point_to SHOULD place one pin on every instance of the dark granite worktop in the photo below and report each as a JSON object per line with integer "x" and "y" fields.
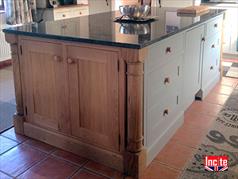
{"x": 101, "y": 28}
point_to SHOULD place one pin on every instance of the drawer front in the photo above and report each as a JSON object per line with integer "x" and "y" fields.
{"x": 214, "y": 26}
{"x": 160, "y": 53}
{"x": 58, "y": 15}
{"x": 163, "y": 97}
{"x": 162, "y": 82}
{"x": 211, "y": 59}
{"x": 80, "y": 12}
{"x": 161, "y": 117}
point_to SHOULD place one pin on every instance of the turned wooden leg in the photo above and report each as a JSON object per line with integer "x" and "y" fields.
{"x": 19, "y": 115}
{"x": 135, "y": 155}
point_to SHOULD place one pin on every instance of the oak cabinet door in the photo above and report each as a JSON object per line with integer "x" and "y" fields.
{"x": 93, "y": 90}
{"x": 44, "y": 78}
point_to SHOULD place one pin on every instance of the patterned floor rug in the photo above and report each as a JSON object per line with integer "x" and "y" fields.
{"x": 6, "y": 115}
{"x": 221, "y": 139}
{"x": 230, "y": 69}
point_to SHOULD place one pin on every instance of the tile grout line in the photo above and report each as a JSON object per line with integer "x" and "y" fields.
{"x": 7, "y": 174}
{"x": 61, "y": 158}
{"x": 36, "y": 148}
{"x": 35, "y": 164}
{"x": 168, "y": 166}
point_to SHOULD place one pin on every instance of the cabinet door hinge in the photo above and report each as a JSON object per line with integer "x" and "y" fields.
{"x": 119, "y": 140}
{"x": 20, "y": 49}
{"x": 118, "y": 65}
{"x": 26, "y": 110}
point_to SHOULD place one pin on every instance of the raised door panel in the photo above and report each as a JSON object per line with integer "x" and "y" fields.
{"x": 93, "y": 78}
{"x": 192, "y": 64}
{"x": 44, "y": 81}
{"x": 162, "y": 98}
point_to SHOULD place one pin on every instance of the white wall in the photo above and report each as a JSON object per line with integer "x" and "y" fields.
{"x": 5, "y": 52}
{"x": 176, "y": 3}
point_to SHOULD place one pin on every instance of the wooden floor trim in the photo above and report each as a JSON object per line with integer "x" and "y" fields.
{"x": 72, "y": 145}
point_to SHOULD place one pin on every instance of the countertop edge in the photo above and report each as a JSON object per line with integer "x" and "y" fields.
{"x": 102, "y": 42}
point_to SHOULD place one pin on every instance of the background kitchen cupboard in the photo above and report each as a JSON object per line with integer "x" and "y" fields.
{"x": 99, "y": 6}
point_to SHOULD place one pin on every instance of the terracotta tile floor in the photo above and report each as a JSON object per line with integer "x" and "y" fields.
{"x": 22, "y": 157}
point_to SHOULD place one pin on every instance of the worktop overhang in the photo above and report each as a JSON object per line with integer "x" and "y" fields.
{"x": 100, "y": 29}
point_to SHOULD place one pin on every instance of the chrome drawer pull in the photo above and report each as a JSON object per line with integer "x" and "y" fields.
{"x": 166, "y": 80}
{"x": 168, "y": 50}
{"x": 166, "y": 112}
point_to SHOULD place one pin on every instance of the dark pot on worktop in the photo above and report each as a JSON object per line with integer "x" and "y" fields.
{"x": 66, "y": 2}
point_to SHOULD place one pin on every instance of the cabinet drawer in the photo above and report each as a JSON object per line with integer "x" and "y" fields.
{"x": 58, "y": 15}
{"x": 162, "y": 97}
{"x": 214, "y": 26}
{"x": 211, "y": 59}
{"x": 80, "y": 12}
{"x": 161, "y": 52}
{"x": 163, "y": 81}
{"x": 162, "y": 116}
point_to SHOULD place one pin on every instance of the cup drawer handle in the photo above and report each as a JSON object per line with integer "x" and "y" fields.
{"x": 166, "y": 112}
{"x": 168, "y": 50}
{"x": 166, "y": 80}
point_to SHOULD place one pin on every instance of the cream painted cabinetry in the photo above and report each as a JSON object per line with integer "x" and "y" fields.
{"x": 52, "y": 14}
{"x": 211, "y": 55}
{"x": 192, "y": 64}
{"x": 163, "y": 92}
{"x": 202, "y": 60}
{"x": 177, "y": 69}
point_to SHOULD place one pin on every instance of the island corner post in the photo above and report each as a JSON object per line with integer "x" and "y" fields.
{"x": 134, "y": 152}
{"x": 18, "y": 118}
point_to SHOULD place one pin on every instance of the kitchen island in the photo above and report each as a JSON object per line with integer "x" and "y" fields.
{"x": 111, "y": 92}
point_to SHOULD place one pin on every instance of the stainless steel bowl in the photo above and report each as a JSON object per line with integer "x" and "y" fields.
{"x": 134, "y": 29}
{"x": 135, "y": 11}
